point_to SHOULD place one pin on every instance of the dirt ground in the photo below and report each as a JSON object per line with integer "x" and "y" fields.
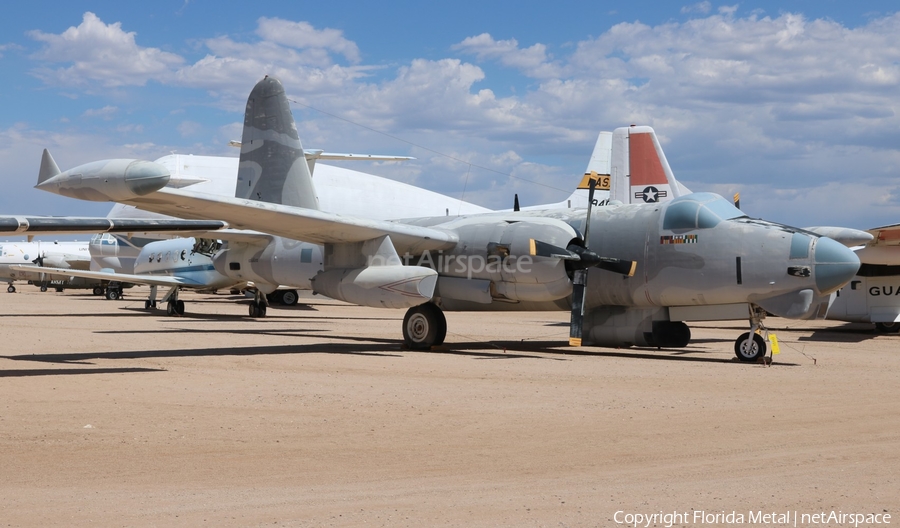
{"x": 316, "y": 416}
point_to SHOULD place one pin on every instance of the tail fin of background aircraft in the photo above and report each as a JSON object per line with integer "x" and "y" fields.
{"x": 49, "y": 168}
{"x": 598, "y": 167}
{"x": 273, "y": 167}
{"x": 639, "y": 170}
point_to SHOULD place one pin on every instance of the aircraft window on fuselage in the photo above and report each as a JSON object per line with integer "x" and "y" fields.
{"x": 306, "y": 255}
{"x": 681, "y": 215}
{"x": 799, "y": 246}
{"x": 699, "y": 210}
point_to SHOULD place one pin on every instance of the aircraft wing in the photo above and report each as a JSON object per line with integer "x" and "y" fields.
{"x": 150, "y": 280}
{"x": 37, "y": 225}
{"x": 292, "y": 222}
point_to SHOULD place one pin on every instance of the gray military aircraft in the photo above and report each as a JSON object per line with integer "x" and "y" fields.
{"x": 619, "y": 269}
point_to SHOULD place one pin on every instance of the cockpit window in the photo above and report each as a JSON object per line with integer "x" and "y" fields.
{"x": 699, "y": 211}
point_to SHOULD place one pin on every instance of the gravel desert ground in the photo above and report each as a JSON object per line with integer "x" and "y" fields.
{"x": 316, "y": 416}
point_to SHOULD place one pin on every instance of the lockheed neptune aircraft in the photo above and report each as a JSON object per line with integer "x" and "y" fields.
{"x": 618, "y": 269}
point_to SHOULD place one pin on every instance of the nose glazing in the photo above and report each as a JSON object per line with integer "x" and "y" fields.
{"x": 834, "y": 265}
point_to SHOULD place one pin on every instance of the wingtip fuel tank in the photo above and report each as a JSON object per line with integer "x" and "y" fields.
{"x": 103, "y": 181}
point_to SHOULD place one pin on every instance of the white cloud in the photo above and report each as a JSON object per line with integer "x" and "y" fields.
{"x": 104, "y": 113}
{"x": 532, "y": 61}
{"x": 700, "y": 7}
{"x": 102, "y": 53}
{"x": 302, "y": 35}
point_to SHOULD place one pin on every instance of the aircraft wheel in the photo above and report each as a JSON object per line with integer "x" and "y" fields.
{"x": 170, "y": 308}
{"x": 274, "y": 297}
{"x": 254, "y": 309}
{"x": 887, "y": 328}
{"x": 262, "y": 310}
{"x": 112, "y": 294}
{"x": 148, "y": 304}
{"x": 59, "y": 290}
{"x": 424, "y": 326}
{"x": 10, "y": 289}
{"x": 179, "y": 307}
{"x": 747, "y": 349}
{"x": 289, "y": 297}
{"x": 98, "y": 291}
{"x": 43, "y": 288}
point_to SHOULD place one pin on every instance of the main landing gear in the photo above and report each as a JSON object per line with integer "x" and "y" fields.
{"x": 424, "y": 326}
{"x": 887, "y": 328}
{"x": 285, "y": 297}
{"x": 259, "y": 305}
{"x": 751, "y": 346}
{"x": 114, "y": 291}
{"x": 175, "y": 306}
{"x": 10, "y": 288}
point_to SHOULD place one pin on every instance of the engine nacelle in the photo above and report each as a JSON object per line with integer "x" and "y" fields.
{"x": 378, "y": 286}
{"x": 499, "y": 251}
{"x": 108, "y": 180}
{"x": 281, "y": 262}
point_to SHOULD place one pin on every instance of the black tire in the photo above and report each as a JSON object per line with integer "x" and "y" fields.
{"x": 59, "y": 290}
{"x": 750, "y": 350}
{"x": 170, "y": 308}
{"x": 424, "y": 326}
{"x": 112, "y": 294}
{"x": 179, "y": 307}
{"x": 98, "y": 291}
{"x": 887, "y": 328}
{"x": 10, "y": 289}
{"x": 43, "y": 288}
{"x": 254, "y": 310}
{"x": 289, "y": 297}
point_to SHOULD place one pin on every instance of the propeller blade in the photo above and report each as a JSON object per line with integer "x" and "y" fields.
{"x": 737, "y": 200}
{"x": 543, "y": 249}
{"x": 620, "y": 266}
{"x": 516, "y": 203}
{"x": 588, "y": 259}
{"x": 587, "y": 219}
{"x": 577, "y": 317}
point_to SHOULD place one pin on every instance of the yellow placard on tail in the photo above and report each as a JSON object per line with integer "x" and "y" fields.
{"x": 774, "y": 340}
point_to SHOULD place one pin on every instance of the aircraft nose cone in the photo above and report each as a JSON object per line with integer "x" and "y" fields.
{"x": 835, "y": 265}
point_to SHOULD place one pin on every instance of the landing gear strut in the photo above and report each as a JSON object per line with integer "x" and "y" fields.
{"x": 751, "y": 346}
{"x": 259, "y": 305}
{"x": 175, "y": 305}
{"x": 424, "y": 327}
{"x": 151, "y": 301}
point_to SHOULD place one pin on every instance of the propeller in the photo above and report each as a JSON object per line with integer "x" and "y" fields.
{"x": 516, "y": 203}
{"x": 578, "y": 260}
{"x": 737, "y": 200}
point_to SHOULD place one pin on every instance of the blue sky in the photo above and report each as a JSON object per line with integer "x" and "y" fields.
{"x": 793, "y": 103}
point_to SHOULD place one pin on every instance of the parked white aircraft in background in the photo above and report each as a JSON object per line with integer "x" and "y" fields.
{"x": 873, "y": 296}
{"x": 52, "y": 254}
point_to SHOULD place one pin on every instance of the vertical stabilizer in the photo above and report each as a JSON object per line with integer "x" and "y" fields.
{"x": 597, "y": 168}
{"x": 640, "y": 172}
{"x": 273, "y": 167}
{"x": 49, "y": 168}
